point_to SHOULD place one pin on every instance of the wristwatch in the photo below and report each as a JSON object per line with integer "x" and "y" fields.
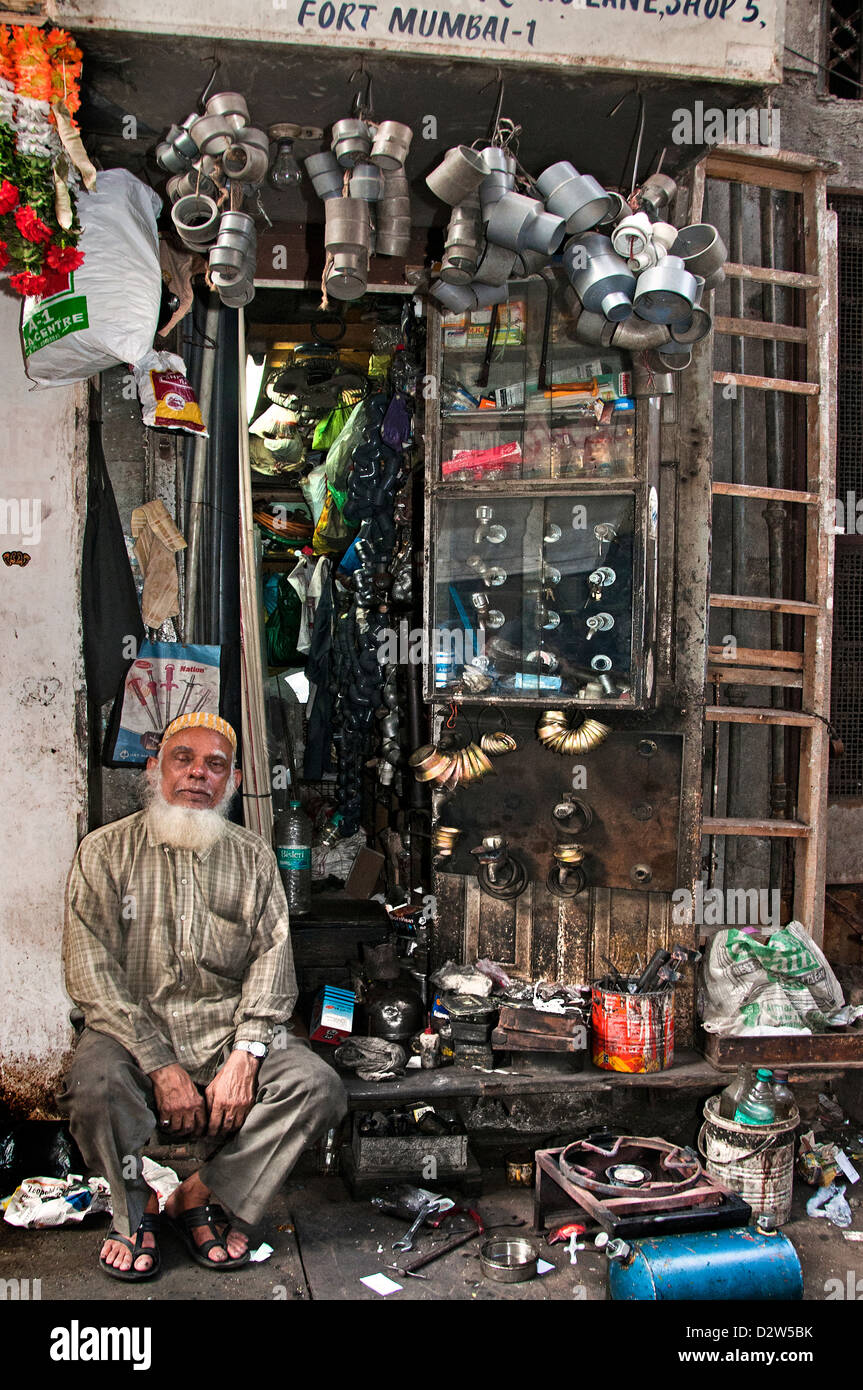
{"x": 257, "y": 1049}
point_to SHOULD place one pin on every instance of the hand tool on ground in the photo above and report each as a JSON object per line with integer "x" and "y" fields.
{"x": 440, "y": 1250}
{"x": 407, "y": 1240}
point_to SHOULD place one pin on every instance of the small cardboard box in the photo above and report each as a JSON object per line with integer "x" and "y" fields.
{"x": 332, "y": 1016}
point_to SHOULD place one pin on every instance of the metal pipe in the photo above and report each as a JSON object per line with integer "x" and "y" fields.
{"x": 199, "y": 464}
{"x": 636, "y": 333}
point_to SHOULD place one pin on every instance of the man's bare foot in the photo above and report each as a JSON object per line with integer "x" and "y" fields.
{"x": 119, "y": 1257}
{"x": 193, "y": 1193}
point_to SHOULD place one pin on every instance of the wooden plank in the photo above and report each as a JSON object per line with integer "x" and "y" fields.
{"x": 776, "y": 829}
{"x": 523, "y": 930}
{"x": 732, "y": 171}
{"x": 544, "y": 934}
{"x": 821, "y": 247}
{"x": 753, "y": 675}
{"x": 510, "y": 1040}
{"x": 519, "y": 1018}
{"x": 628, "y": 924}
{"x": 600, "y": 940}
{"x": 757, "y": 656}
{"x": 795, "y": 1049}
{"x": 764, "y": 605}
{"x": 759, "y": 328}
{"x": 767, "y": 157}
{"x": 574, "y": 940}
{"x": 447, "y": 942}
{"x": 766, "y": 383}
{"x": 770, "y": 494}
{"x": 472, "y": 909}
{"x": 754, "y": 714}
{"x": 496, "y": 938}
{"x": 790, "y": 279}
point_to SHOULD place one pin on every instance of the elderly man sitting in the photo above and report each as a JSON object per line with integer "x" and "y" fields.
{"x": 178, "y": 951}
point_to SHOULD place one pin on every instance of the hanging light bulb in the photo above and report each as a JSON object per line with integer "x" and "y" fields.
{"x": 285, "y": 172}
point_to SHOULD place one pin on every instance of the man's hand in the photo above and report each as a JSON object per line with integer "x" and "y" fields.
{"x": 231, "y": 1093}
{"x": 178, "y": 1101}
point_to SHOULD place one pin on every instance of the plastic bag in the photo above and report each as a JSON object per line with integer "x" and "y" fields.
{"x": 283, "y": 626}
{"x": 110, "y": 312}
{"x": 782, "y": 985}
{"x": 168, "y": 402}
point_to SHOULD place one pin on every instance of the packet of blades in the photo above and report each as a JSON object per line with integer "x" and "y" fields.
{"x": 168, "y": 402}
{"x": 467, "y": 465}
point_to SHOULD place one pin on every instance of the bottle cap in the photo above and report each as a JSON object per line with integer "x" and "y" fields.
{"x": 764, "y": 1074}
{"x": 295, "y": 805}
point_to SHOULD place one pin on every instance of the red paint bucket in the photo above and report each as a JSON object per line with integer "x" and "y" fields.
{"x": 632, "y": 1032}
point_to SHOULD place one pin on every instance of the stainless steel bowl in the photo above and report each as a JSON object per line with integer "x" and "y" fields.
{"x": 509, "y": 1260}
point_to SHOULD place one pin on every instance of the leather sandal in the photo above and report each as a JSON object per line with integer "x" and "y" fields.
{"x": 212, "y": 1216}
{"x": 149, "y": 1223}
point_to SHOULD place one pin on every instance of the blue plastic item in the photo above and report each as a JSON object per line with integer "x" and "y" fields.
{"x": 709, "y": 1266}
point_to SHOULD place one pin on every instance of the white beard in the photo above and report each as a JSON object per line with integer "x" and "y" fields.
{"x": 184, "y": 827}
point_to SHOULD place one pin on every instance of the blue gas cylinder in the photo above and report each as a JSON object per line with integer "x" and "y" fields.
{"x": 710, "y": 1265}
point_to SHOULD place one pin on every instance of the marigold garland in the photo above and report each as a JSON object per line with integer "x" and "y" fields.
{"x": 36, "y": 66}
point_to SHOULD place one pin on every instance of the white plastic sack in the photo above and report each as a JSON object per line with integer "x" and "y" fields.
{"x": 110, "y": 312}
{"x": 782, "y": 985}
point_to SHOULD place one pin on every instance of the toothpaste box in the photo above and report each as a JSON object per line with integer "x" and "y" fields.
{"x": 332, "y": 1016}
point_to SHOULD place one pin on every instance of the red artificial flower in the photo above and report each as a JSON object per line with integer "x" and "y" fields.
{"x": 8, "y": 196}
{"x": 30, "y": 225}
{"x": 26, "y": 283}
{"x": 63, "y": 258}
{"x": 56, "y": 282}
{"x": 4, "y": 255}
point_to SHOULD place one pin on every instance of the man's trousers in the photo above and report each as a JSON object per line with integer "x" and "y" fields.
{"x": 112, "y": 1113}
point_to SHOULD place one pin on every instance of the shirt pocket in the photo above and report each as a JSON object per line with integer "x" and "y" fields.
{"x": 225, "y": 947}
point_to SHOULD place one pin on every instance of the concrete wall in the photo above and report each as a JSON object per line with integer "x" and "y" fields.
{"x": 42, "y": 714}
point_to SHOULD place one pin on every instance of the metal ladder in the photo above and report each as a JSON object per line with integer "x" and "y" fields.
{"x": 809, "y": 670}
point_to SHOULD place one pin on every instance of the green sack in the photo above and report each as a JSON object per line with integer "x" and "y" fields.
{"x": 328, "y": 430}
{"x": 283, "y": 627}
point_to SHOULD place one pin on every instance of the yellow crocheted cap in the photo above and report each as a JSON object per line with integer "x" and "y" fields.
{"x": 202, "y": 720}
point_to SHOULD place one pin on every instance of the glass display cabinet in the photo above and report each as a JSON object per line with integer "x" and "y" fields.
{"x": 542, "y": 508}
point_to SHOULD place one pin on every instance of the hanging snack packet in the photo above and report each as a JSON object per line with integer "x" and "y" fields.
{"x": 168, "y": 402}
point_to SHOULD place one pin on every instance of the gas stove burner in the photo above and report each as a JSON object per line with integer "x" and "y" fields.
{"x": 644, "y": 1167}
{"x": 628, "y": 1175}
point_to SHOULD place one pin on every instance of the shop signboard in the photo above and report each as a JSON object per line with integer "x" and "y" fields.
{"x": 731, "y": 40}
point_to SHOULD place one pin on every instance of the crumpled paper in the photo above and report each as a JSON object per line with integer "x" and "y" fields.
{"x": 39, "y": 1203}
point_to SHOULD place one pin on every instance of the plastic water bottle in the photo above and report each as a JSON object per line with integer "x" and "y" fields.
{"x": 294, "y": 857}
{"x": 783, "y": 1096}
{"x": 757, "y": 1106}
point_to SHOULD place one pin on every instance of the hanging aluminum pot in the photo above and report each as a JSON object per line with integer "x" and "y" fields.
{"x": 486, "y": 295}
{"x": 326, "y": 174}
{"x": 231, "y": 107}
{"x": 618, "y": 208}
{"x": 347, "y": 277}
{"x": 601, "y": 279}
{"x": 456, "y": 298}
{"x": 496, "y": 265}
{"x": 578, "y": 198}
{"x": 347, "y": 225}
{"x": 183, "y": 140}
{"x": 170, "y": 159}
{"x": 238, "y": 295}
{"x": 390, "y": 146}
{"x": 521, "y": 223}
{"x": 529, "y": 262}
{"x": 391, "y": 243}
{"x": 196, "y": 218}
{"x": 703, "y": 252}
{"x": 458, "y": 175}
{"x": 656, "y": 195}
{"x": 366, "y": 182}
{"x": 667, "y": 293}
{"x": 226, "y": 263}
{"x": 697, "y": 328}
{"x": 212, "y": 135}
{"x": 351, "y": 141}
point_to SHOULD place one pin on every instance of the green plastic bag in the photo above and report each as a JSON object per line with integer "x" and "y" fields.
{"x": 283, "y": 627}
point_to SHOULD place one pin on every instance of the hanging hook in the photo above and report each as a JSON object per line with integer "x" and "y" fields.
{"x": 362, "y": 104}
{"x": 217, "y": 63}
{"x": 495, "y": 120}
{"x": 642, "y": 110}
